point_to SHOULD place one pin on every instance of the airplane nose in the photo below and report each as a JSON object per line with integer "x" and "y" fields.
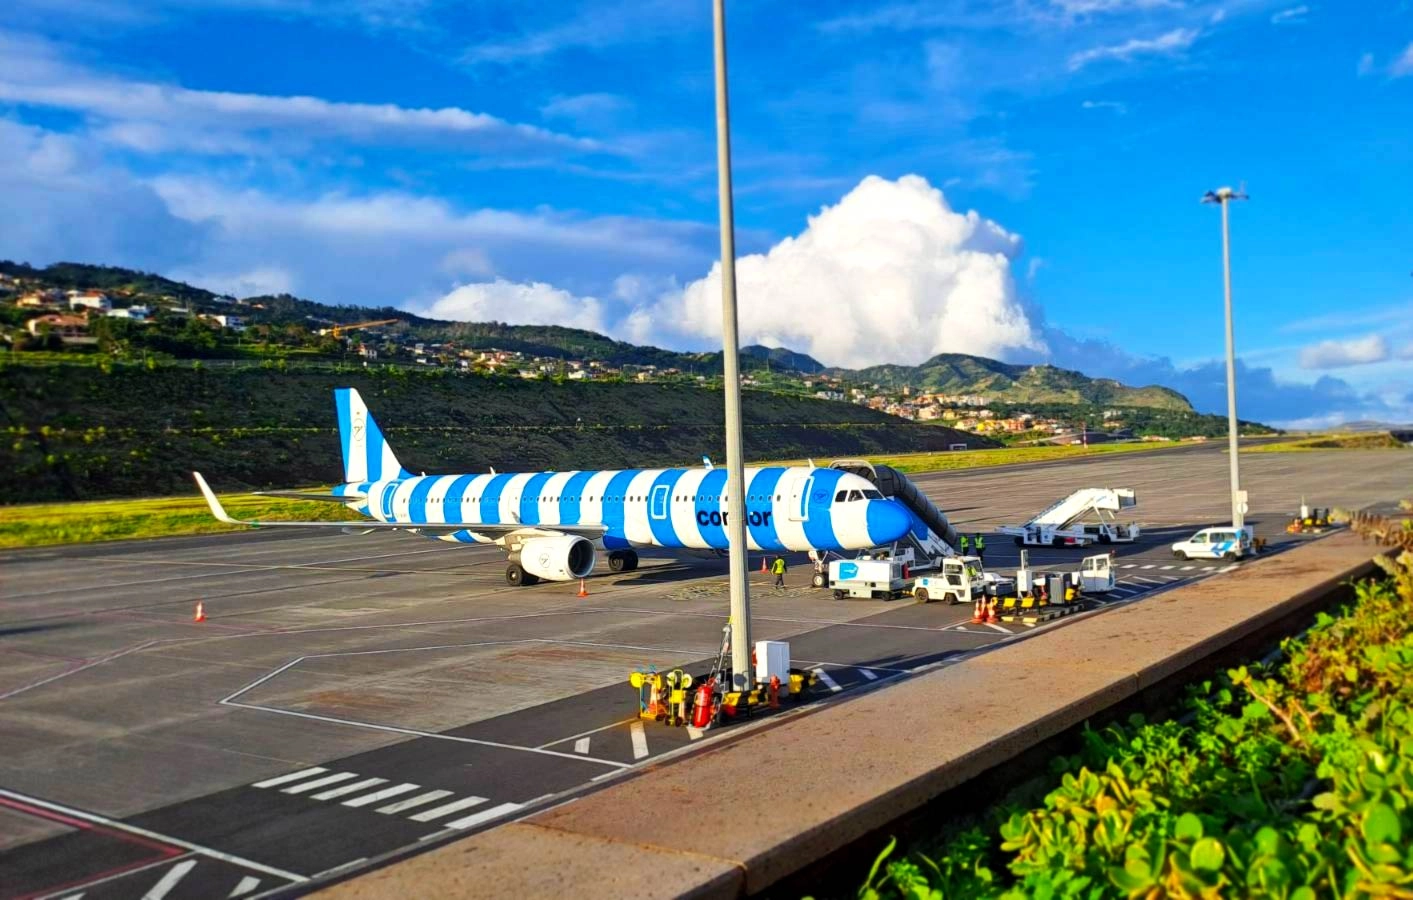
{"x": 888, "y": 521}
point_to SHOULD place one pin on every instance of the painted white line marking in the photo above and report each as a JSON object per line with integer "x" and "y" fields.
{"x": 999, "y": 628}
{"x": 447, "y": 809}
{"x": 589, "y": 733}
{"x": 413, "y": 802}
{"x": 581, "y": 745}
{"x": 174, "y": 874}
{"x": 495, "y": 812}
{"x": 1230, "y": 567}
{"x": 346, "y": 789}
{"x": 1188, "y": 568}
{"x": 369, "y": 799}
{"x": 78, "y": 896}
{"x": 293, "y": 776}
{"x": 828, "y": 682}
{"x": 143, "y": 832}
{"x": 319, "y": 782}
{"x": 341, "y": 866}
{"x": 1166, "y": 568}
{"x": 694, "y": 732}
{"x": 1208, "y": 568}
{"x": 640, "y": 740}
{"x": 961, "y": 628}
{"x": 869, "y": 675}
{"x": 1150, "y": 566}
{"x": 247, "y": 884}
{"x": 1128, "y": 565}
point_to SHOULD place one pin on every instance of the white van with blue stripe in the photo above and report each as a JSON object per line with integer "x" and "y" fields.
{"x": 1227, "y": 543}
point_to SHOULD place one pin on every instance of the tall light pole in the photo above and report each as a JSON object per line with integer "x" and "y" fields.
{"x": 1223, "y": 197}
{"x": 741, "y": 675}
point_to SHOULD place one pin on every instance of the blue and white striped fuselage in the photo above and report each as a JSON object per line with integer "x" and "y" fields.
{"x": 787, "y": 508}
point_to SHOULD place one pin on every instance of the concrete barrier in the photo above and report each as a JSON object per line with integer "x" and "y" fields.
{"x": 738, "y": 817}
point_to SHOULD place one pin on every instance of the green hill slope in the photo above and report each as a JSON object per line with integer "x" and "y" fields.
{"x": 958, "y": 373}
{"x": 80, "y": 432}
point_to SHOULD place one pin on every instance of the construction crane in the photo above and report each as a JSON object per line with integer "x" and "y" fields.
{"x": 337, "y": 330}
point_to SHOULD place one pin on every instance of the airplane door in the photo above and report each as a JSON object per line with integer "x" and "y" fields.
{"x": 660, "y": 506}
{"x": 797, "y": 497}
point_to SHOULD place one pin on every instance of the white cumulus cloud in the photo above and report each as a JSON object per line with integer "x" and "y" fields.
{"x": 535, "y": 303}
{"x": 890, "y": 273}
{"x": 1404, "y": 64}
{"x": 1353, "y": 352}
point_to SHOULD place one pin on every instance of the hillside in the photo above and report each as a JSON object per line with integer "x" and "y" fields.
{"x": 949, "y": 373}
{"x": 85, "y": 432}
{"x": 958, "y": 374}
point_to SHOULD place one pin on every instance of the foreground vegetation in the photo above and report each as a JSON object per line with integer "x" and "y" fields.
{"x": 1289, "y": 780}
{"x": 38, "y": 525}
{"x": 1374, "y": 440}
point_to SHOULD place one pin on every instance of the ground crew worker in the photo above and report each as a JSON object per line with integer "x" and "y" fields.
{"x": 980, "y": 547}
{"x": 778, "y": 567}
{"x": 965, "y": 541}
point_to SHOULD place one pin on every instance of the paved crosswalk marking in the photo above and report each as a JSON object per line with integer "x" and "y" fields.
{"x": 369, "y": 799}
{"x": 293, "y": 776}
{"x": 345, "y": 789}
{"x": 1188, "y": 568}
{"x": 581, "y": 745}
{"x": 1129, "y": 566}
{"x": 869, "y": 675}
{"x": 174, "y": 875}
{"x": 1149, "y": 566}
{"x": 247, "y": 884}
{"x": 1208, "y": 568}
{"x": 1166, "y": 568}
{"x": 640, "y": 740}
{"x": 447, "y": 809}
{"x": 413, "y": 802}
{"x": 495, "y": 812}
{"x": 319, "y": 782}
{"x": 828, "y": 682}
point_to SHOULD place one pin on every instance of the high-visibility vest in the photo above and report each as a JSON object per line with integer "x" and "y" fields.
{"x": 980, "y": 542}
{"x": 779, "y": 567}
{"x": 965, "y": 542}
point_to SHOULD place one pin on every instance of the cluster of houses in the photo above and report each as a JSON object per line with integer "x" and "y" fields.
{"x": 70, "y": 313}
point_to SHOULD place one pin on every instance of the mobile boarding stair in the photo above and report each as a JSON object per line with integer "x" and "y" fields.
{"x": 1063, "y": 523}
{"x": 937, "y": 540}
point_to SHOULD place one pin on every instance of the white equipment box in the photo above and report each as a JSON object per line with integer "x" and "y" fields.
{"x": 772, "y": 658}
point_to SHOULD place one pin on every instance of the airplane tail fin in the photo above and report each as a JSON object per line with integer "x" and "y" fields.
{"x": 367, "y": 456}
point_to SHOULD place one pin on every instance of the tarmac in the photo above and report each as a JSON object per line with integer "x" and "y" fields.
{"x": 349, "y": 697}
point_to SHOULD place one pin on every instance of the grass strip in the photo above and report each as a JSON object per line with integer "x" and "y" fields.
{"x": 45, "y": 524}
{"x": 1379, "y": 440}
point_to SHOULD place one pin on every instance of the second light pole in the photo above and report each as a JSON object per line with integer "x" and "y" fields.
{"x": 1223, "y": 197}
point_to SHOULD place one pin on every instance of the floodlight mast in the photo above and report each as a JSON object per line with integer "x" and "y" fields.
{"x": 1223, "y": 197}
{"x": 741, "y": 674}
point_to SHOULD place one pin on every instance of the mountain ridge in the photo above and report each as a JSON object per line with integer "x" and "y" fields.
{"x": 954, "y": 374}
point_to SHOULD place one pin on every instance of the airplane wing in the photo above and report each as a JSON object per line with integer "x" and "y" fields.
{"x": 325, "y": 497}
{"x": 368, "y": 525}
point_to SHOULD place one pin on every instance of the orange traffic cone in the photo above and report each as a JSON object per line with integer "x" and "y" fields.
{"x": 978, "y": 615}
{"x": 991, "y": 610}
{"x": 200, "y": 612}
{"x": 583, "y": 591}
{"x": 763, "y": 569}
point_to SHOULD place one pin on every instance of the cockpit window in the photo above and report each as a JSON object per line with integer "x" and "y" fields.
{"x": 841, "y": 496}
{"x": 855, "y": 495}
{"x": 873, "y": 495}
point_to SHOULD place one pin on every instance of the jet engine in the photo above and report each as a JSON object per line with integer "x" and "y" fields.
{"x": 562, "y": 558}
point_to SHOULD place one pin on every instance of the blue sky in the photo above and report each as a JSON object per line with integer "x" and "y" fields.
{"x": 1016, "y": 178}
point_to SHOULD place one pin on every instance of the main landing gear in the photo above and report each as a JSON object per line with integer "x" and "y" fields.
{"x": 515, "y": 575}
{"x": 622, "y": 561}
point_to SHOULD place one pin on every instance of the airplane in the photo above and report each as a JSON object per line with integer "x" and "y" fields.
{"x": 551, "y": 523}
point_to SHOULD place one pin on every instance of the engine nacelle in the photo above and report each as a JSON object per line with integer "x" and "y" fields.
{"x": 563, "y": 558}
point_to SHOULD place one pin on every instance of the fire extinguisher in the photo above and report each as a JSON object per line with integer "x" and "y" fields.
{"x": 703, "y": 702}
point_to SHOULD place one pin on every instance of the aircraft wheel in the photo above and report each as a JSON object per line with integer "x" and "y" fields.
{"x": 817, "y": 580}
{"x": 515, "y": 575}
{"x": 617, "y": 562}
{"x": 630, "y": 558}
